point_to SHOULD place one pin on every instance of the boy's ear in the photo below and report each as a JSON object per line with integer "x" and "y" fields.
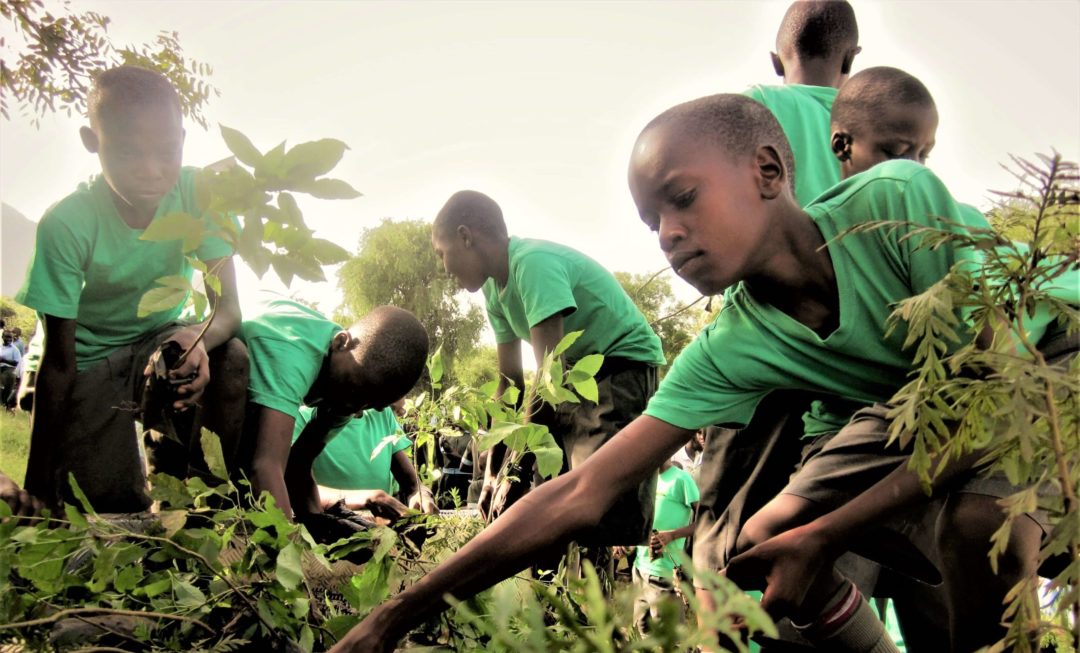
{"x": 849, "y": 59}
{"x": 339, "y": 341}
{"x": 841, "y": 145}
{"x": 89, "y": 139}
{"x": 465, "y": 234}
{"x": 772, "y": 176}
{"x": 777, "y": 65}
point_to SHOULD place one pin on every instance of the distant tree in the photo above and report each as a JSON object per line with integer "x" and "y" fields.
{"x": 17, "y": 315}
{"x": 50, "y": 55}
{"x": 396, "y": 265}
{"x": 476, "y": 367}
{"x": 674, "y": 321}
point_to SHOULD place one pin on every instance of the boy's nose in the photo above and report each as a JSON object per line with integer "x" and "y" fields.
{"x": 671, "y": 233}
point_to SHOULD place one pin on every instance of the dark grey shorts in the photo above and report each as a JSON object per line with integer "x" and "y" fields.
{"x": 624, "y": 388}
{"x": 101, "y": 446}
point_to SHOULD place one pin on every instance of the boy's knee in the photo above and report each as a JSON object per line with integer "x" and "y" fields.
{"x": 784, "y": 512}
{"x": 230, "y": 368}
{"x": 967, "y": 524}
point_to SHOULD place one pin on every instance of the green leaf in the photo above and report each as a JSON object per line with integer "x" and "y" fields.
{"x": 187, "y": 595}
{"x": 328, "y": 189}
{"x": 567, "y": 341}
{"x": 435, "y": 365}
{"x": 174, "y": 226}
{"x": 172, "y": 520}
{"x": 241, "y": 146}
{"x": 287, "y": 569}
{"x": 80, "y": 496}
{"x": 174, "y": 281}
{"x": 160, "y": 299}
{"x": 313, "y": 159}
{"x": 200, "y": 303}
{"x": 215, "y": 459}
{"x": 307, "y": 638}
{"x": 325, "y": 251}
{"x": 587, "y": 389}
{"x": 590, "y": 364}
{"x": 272, "y": 165}
{"x": 290, "y": 210}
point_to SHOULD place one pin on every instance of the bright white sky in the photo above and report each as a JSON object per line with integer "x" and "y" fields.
{"x": 538, "y": 104}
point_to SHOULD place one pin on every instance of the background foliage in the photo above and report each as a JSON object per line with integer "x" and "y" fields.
{"x": 395, "y": 264}
{"x": 51, "y": 53}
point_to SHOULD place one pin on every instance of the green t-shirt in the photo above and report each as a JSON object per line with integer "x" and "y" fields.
{"x": 287, "y": 343}
{"x": 547, "y": 278}
{"x": 91, "y": 267}
{"x": 752, "y": 348}
{"x": 346, "y": 462}
{"x": 803, "y": 113}
{"x": 676, "y": 493}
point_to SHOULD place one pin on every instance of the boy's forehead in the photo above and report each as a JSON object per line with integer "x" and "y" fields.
{"x": 158, "y": 117}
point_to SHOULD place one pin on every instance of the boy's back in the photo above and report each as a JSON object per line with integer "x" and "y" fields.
{"x": 547, "y": 279}
{"x": 803, "y": 112}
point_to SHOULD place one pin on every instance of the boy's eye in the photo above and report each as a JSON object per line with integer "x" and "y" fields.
{"x": 684, "y": 199}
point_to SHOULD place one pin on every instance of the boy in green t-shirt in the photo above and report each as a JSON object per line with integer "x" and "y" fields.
{"x": 537, "y": 291}
{"x": 673, "y": 521}
{"x": 807, "y": 311}
{"x": 87, "y": 275}
{"x": 301, "y": 358}
{"x": 350, "y": 470}
{"x": 815, "y": 47}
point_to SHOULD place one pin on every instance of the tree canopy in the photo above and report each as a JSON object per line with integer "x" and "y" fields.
{"x": 675, "y": 322}
{"x": 395, "y": 264}
{"x": 48, "y": 60}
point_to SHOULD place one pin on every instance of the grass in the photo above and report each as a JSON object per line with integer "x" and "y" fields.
{"x": 14, "y": 443}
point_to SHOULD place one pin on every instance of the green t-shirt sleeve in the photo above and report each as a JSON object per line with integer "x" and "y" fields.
{"x": 696, "y": 393}
{"x": 55, "y": 278}
{"x": 926, "y": 203}
{"x": 276, "y": 380}
{"x": 544, "y": 284}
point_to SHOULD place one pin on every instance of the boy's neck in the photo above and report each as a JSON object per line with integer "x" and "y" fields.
{"x": 814, "y": 72}
{"x": 799, "y": 277}
{"x": 498, "y": 255}
{"x": 131, "y": 216}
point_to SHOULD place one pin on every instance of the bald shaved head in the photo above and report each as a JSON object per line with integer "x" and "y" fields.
{"x": 393, "y": 348}
{"x": 124, "y": 87}
{"x": 866, "y": 96}
{"x": 817, "y": 29}
{"x": 474, "y": 210}
{"x": 735, "y": 124}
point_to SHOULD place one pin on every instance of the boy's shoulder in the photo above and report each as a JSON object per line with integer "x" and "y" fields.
{"x": 887, "y": 180}
{"x": 780, "y": 96}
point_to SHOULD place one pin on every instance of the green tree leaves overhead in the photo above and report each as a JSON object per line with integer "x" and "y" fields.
{"x": 51, "y": 54}
{"x": 396, "y": 265}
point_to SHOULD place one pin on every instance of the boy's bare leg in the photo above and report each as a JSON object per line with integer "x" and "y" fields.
{"x": 976, "y": 594}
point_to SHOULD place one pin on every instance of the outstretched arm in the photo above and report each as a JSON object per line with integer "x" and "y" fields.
{"x": 567, "y": 504}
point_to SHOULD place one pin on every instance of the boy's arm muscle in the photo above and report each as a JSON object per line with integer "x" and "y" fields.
{"x": 272, "y": 440}
{"x": 55, "y": 380}
{"x": 543, "y": 520}
{"x": 225, "y": 323}
{"x": 418, "y": 496}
